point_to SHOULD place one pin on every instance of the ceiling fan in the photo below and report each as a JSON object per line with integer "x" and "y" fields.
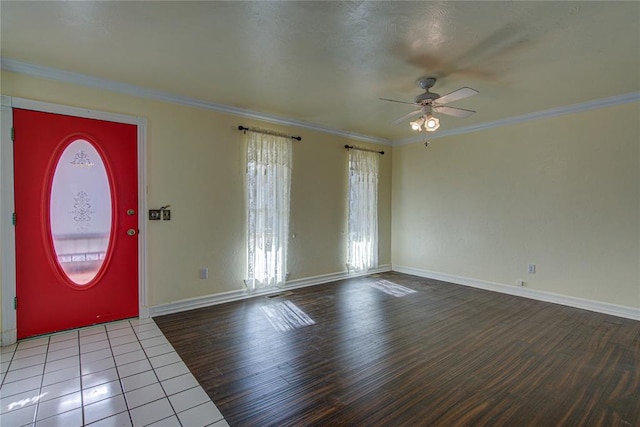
{"x": 430, "y": 102}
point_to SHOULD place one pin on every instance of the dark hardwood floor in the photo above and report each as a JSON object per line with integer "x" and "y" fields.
{"x": 444, "y": 355}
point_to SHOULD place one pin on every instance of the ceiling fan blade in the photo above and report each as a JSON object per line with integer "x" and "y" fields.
{"x": 453, "y": 111}
{"x": 400, "y": 102}
{"x": 461, "y": 93}
{"x": 407, "y": 116}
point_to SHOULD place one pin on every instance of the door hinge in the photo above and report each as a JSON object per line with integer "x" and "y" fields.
{"x": 13, "y": 218}
{"x": 15, "y": 303}
{"x": 13, "y": 133}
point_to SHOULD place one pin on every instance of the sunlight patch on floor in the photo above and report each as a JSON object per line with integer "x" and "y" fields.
{"x": 285, "y": 316}
{"x": 391, "y": 288}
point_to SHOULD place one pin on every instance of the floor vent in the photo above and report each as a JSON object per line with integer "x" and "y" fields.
{"x": 280, "y": 295}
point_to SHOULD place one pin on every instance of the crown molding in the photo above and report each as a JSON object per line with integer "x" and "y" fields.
{"x": 553, "y": 112}
{"x": 12, "y": 65}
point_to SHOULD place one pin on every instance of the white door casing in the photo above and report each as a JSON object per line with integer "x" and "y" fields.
{"x": 8, "y": 334}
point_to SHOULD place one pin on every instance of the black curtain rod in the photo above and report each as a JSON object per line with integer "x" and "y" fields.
{"x": 268, "y": 132}
{"x": 351, "y": 147}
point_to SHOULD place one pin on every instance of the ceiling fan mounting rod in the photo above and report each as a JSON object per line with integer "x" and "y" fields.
{"x": 427, "y": 97}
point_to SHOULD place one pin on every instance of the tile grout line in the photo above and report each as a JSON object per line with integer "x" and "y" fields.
{"x": 126, "y": 403}
{"x": 80, "y": 373}
{"x": 209, "y": 399}
{"x": 147, "y": 358}
{"x": 4, "y": 375}
{"x": 44, "y": 365}
{"x": 166, "y": 396}
{"x": 154, "y": 373}
{"x": 160, "y": 382}
{"x": 77, "y": 338}
{"x": 154, "y": 329}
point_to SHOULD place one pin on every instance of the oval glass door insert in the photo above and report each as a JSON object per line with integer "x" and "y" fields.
{"x": 80, "y": 212}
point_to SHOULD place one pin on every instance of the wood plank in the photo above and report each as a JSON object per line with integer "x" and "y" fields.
{"x": 444, "y": 355}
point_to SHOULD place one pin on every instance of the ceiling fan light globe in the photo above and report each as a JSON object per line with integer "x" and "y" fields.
{"x": 415, "y": 126}
{"x": 431, "y": 124}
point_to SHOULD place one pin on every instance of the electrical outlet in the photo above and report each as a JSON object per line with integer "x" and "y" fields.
{"x": 154, "y": 214}
{"x": 520, "y": 282}
{"x": 532, "y": 269}
{"x": 204, "y": 273}
{"x": 166, "y": 214}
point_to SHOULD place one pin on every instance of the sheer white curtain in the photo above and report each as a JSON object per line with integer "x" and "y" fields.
{"x": 268, "y": 187}
{"x": 363, "y": 210}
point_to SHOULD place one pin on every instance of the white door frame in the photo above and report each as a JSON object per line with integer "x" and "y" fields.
{"x": 8, "y": 334}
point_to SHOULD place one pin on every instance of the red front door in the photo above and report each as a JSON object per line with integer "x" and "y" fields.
{"x": 76, "y": 202}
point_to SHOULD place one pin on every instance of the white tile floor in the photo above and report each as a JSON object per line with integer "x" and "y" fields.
{"x": 120, "y": 374}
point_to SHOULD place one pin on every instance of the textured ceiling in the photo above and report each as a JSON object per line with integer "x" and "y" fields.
{"x": 327, "y": 63}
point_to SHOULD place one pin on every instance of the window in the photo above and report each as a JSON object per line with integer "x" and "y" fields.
{"x": 363, "y": 210}
{"x": 268, "y": 196}
{"x": 80, "y": 212}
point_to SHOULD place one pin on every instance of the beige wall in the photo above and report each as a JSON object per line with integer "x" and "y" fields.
{"x": 562, "y": 193}
{"x": 196, "y": 164}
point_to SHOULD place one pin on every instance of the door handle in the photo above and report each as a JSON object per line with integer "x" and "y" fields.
{"x": 131, "y": 232}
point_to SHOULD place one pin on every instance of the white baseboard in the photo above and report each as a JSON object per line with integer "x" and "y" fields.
{"x": 8, "y": 337}
{"x": 597, "y": 306}
{"x": 221, "y": 298}
{"x": 143, "y": 312}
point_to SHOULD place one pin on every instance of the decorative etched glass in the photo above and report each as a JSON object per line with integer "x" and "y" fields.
{"x": 80, "y": 212}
